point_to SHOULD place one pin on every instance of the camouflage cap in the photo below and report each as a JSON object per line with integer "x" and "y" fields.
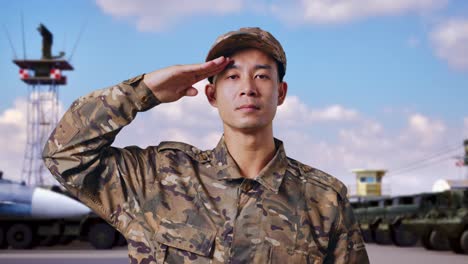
{"x": 248, "y": 37}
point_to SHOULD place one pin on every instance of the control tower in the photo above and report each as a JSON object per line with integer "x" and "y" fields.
{"x": 369, "y": 182}
{"x": 43, "y": 77}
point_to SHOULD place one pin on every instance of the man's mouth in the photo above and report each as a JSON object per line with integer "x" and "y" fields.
{"x": 248, "y": 107}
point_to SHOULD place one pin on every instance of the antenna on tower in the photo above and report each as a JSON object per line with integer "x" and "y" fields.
{"x": 22, "y": 30}
{"x": 78, "y": 39}
{"x": 11, "y": 43}
{"x": 64, "y": 41}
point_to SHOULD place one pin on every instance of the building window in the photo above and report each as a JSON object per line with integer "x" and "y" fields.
{"x": 367, "y": 179}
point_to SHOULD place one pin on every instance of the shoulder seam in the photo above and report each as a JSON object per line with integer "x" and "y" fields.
{"x": 188, "y": 149}
{"x": 311, "y": 175}
{"x": 173, "y": 145}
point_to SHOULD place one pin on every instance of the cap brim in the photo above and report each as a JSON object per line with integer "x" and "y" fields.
{"x": 233, "y": 43}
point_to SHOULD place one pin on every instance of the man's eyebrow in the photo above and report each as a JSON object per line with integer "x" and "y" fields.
{"x": 263, "y": 66}
{"x": 258, "y": 66}
{"x": 231, "y": 66}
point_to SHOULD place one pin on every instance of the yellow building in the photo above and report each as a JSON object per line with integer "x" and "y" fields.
{"x": 369, "y": 182}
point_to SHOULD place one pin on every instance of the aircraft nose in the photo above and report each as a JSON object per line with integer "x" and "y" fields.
{"x": 49, "y": 204}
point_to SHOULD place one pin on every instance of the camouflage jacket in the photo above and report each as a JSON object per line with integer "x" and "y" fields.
{"x": 177, "y": 204}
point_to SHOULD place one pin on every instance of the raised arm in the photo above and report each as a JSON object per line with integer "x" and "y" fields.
{"x": 79, "y": 153}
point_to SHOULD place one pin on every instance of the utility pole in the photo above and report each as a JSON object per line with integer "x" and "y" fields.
{"x": 465, "y": 158}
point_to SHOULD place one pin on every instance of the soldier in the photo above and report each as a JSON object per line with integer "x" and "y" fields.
{"x": 244, "y": 201}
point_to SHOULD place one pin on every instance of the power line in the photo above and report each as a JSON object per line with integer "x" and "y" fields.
{"x": 429, "y": 161}
{"x": 439, "y": 153}
{"x": 420, "y": 166}
{"x": 64, "y": 48}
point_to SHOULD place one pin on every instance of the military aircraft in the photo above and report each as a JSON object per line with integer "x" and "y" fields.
{"x": 17, "y": 199}
{"x": 27, "y": 212}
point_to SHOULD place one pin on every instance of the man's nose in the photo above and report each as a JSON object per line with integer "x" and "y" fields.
{"x": 248, "y": 88}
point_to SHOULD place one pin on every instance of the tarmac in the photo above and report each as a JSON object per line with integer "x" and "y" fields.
{"x": 80, "y": 252}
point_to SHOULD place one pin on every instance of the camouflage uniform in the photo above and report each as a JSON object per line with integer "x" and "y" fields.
{"x": 177, "y": 204}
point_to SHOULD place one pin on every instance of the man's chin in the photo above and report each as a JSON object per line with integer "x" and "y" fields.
{"x": 249, "y": 127}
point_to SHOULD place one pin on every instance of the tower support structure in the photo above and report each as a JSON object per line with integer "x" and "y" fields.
{"x": 43, "y": 78}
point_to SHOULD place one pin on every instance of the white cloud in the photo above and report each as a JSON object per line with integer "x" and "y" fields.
{"x": 295, "y": 112}
{"x": 450, "y": 41}
{"x": 426, "y": 130}
{"x": 15, "y": 116}
{"x": 335, "y": 113}
{"x": 13, "y": 127}
{"x": 404, "y": 153}
{"x": 156, "y": 15}
{"x": 368, "y": 145}
{"x": 291, "y": 111}
{"x": 199, "y": 110}
{"x": 13, "y": 134}
{"x": 422, "y": 124}
{"x": 465, "y": 127}
{"x": 366, "y": 136}
{"x": 342, "y": 11}
{"x": 13, "y": 139}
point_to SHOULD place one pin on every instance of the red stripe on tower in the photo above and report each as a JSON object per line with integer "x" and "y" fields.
{"x": 24, "y": 74}
{"x": 55, "y": 74}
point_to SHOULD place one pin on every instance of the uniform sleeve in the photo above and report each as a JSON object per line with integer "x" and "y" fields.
{"x": 79, "y": 155}
{"x": 347, "y": 244}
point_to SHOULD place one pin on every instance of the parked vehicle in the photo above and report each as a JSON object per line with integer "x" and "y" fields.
{"x": 438, "y": 220}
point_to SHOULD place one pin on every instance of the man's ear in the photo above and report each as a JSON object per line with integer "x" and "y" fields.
{"x": 210, "y": 92}
{"x": 282, "y": 91}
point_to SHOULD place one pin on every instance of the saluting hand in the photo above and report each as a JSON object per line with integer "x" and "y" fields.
{"x": 172, "y": 83}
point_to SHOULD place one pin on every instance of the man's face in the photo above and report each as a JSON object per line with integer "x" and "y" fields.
{"x": 248, "y": 91}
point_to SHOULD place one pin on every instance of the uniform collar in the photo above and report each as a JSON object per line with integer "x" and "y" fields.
{"x": 270, "y": 176}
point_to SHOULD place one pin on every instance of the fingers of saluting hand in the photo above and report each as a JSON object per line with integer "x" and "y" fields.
{"x": 192, "y": 91}
{"x": 204, "y": 70}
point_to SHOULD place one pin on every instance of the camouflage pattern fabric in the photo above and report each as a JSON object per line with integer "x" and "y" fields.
{"x": 177, "y": 204}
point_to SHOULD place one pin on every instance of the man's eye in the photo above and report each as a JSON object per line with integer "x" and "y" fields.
{"x": 262, "y": 76}
{"x": 232, "y": 77}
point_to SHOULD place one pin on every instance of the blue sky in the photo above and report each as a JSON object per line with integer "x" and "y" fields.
{"x": 397, "y": 79}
